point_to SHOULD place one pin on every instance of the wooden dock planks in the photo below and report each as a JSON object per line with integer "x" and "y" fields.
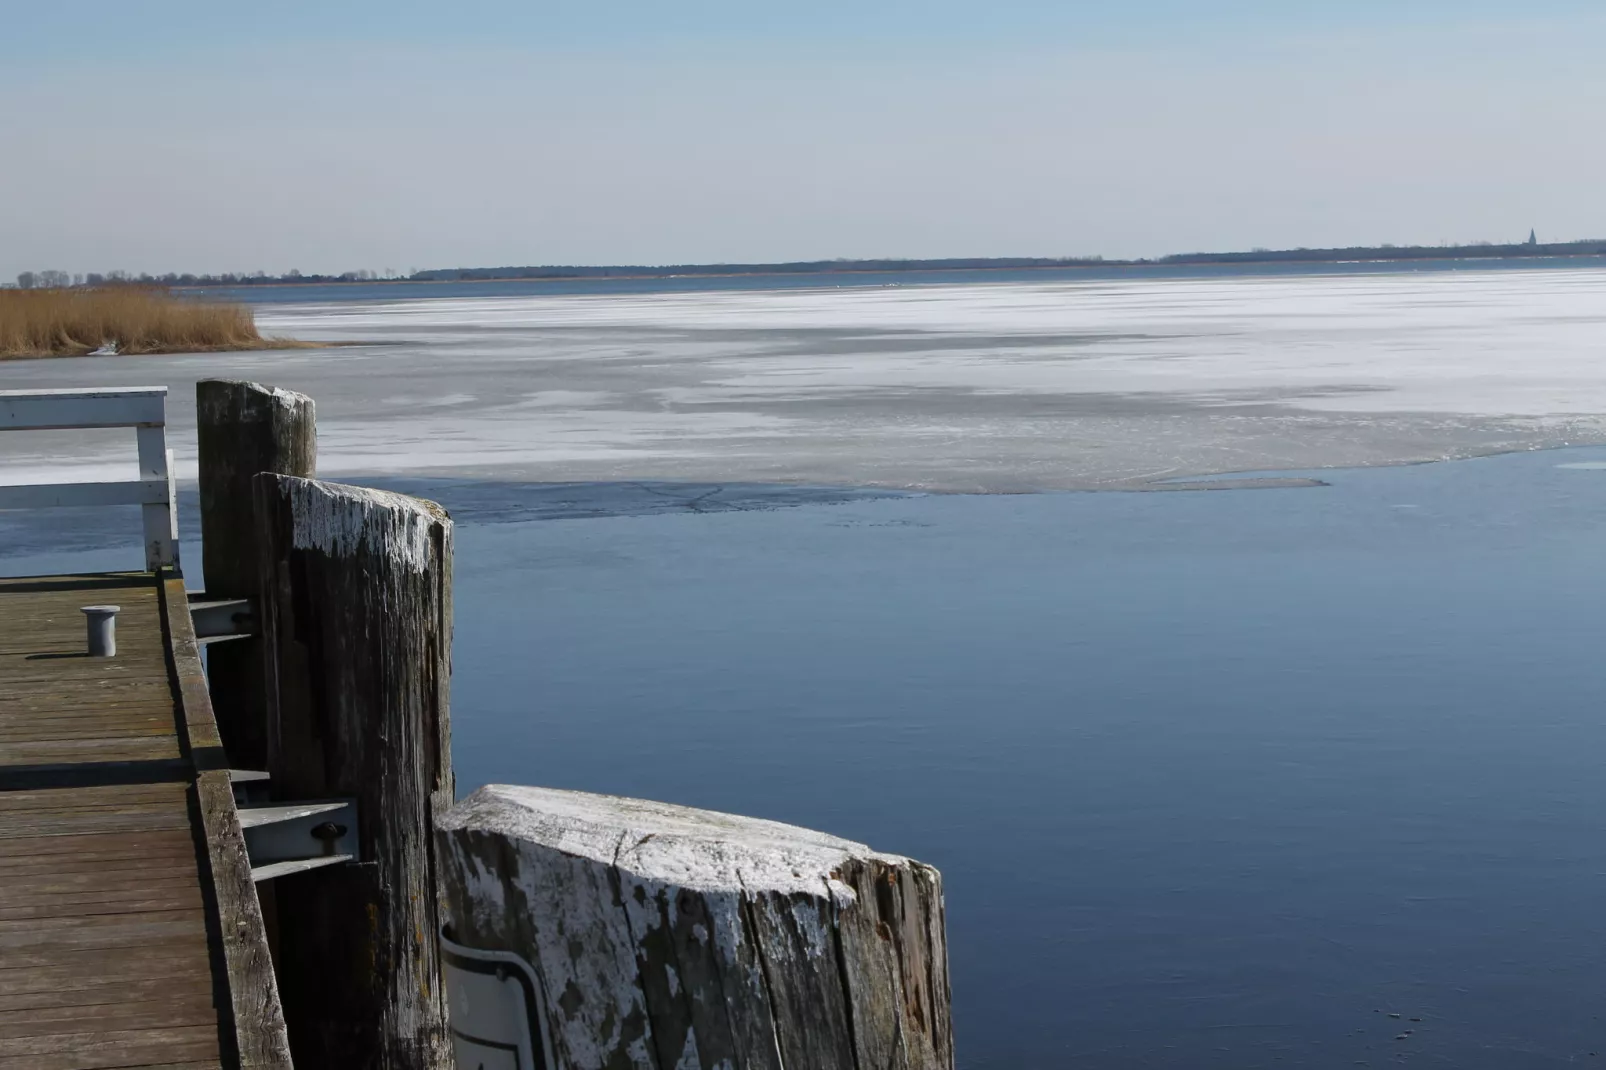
{"x": 59, "y": 706}
{"x": 120, "y": 862}
{"x": 105, "y": 958}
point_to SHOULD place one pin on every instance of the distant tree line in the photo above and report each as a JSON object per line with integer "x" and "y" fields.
{"x": 1476, "y": 250}
{"x": 39, "y": 280}
{"x": 797, "y": 267}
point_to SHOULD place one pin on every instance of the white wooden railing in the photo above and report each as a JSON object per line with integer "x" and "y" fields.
{"x": 144, "y": 408}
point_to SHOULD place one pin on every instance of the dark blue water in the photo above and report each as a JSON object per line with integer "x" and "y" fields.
{"x": 1216, "y": 780}
{"x": 410, "y": 291}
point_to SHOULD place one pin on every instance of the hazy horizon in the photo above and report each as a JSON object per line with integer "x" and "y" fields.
{"x": 405, "y": 137}
{"x": 1001, "y": 262}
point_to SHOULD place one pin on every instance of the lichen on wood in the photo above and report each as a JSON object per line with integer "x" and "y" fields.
{"x": 668, "y": 938}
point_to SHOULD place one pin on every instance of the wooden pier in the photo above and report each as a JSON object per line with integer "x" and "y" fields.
{"x": 130, "y": 930}
{"x": 156, "y": 898}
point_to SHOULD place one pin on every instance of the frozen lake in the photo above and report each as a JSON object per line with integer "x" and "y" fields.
{"x": 1005, "y": 387}
{"x": 1216, "y": 780}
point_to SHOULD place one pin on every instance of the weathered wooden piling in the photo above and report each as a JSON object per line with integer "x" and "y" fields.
{"x": 243, "y": 428}
{"x": 356, "y": 616}
{"x": 660, "y": 936}
{"x": 591, "y": 932}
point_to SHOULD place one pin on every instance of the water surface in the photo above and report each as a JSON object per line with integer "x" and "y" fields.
{"x": 1216, "y": 780}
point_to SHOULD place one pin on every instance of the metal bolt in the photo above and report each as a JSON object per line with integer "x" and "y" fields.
{"x": 102, "y": 621}
{"x": 328, "y": 833}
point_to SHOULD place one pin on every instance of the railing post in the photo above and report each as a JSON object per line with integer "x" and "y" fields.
{"x": 160, "y": 518}
{"x": 659, "y": 936}
{"x": 243, "y": 428}
{"x": 143, "y": 408}
{"x": 356, "y": 618}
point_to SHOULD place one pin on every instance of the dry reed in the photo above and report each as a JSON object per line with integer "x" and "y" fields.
{"x": 133, "y": 319}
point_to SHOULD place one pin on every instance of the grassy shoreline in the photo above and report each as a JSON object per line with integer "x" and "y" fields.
{"x": 124, "y": 321}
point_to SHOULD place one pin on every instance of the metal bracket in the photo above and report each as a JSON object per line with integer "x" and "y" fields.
{"x": 250, "y": 786}
{"x": 226, "y": 618}
{"x": 285, "y": 838}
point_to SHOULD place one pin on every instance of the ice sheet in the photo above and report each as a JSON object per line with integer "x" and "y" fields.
{"x": 980, "y": 387}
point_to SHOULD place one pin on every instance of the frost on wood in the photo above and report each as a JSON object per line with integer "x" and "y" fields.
{"x": 341, "y": 520}
{"x": 258, "y": 395}
{"x": 357, "y": 624}
{"x": 668, "y": 938}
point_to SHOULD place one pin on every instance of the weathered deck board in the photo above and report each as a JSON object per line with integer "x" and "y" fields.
{"x": 106, "y": 1049}
{"x": 61, "y": 707}
{"x": 105, "y": 964}
{"x": 123, "y": 912}
{"x": 91, "y": 852}
{"x": 85, "y": 994}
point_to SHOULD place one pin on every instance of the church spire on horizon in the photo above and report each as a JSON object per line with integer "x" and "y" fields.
{"x": 1533, "y": 237}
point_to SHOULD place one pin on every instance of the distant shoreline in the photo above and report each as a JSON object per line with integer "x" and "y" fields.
{"x": 1404, "y": 254}
{"x": 648, "y": 274}
{"x": 1266, "y": 258}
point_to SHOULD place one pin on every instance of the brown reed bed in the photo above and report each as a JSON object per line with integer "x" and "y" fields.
{"x": 133, "y": 319}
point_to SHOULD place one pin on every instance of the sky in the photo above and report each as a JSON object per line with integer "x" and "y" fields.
{"x": 177, "y": 135}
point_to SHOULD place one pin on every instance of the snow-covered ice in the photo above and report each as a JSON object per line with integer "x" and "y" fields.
{"x": 977, "y": 387}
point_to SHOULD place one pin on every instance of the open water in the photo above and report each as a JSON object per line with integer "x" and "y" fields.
{"x": 1217, "y": 779}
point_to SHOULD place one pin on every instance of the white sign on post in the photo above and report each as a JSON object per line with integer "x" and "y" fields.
{"x": 497, "y": 1010}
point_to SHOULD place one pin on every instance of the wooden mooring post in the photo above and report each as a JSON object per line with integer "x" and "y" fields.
{"x": 570, "y": 931}
{"x": 356, "y": 614}
{"x": 243, "y": 428}
{"x": 647, "y": 936}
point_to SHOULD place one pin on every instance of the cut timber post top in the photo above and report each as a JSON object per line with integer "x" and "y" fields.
{"x": 664, "y": 936}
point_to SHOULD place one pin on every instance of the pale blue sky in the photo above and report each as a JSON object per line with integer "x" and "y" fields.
{"x": 327, "y": 136}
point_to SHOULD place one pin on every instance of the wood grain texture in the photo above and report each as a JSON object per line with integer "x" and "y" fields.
{"x": 157, "y": 1011}
{"x": 243, "y": 428}
{"x": 94, "y": 1049}
{"x": 356, "y": 615}
{"x": 59, "y": 707}
{"x": 86, "y": 994}
{"x": 104, "y": 961}
{"x": 198, "y": 731}
{"x": 671, "y": 937}
{"x": 261, "y": 1038}
{"x": 124, "y": 906}
{"x": 258, "y": 1027}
